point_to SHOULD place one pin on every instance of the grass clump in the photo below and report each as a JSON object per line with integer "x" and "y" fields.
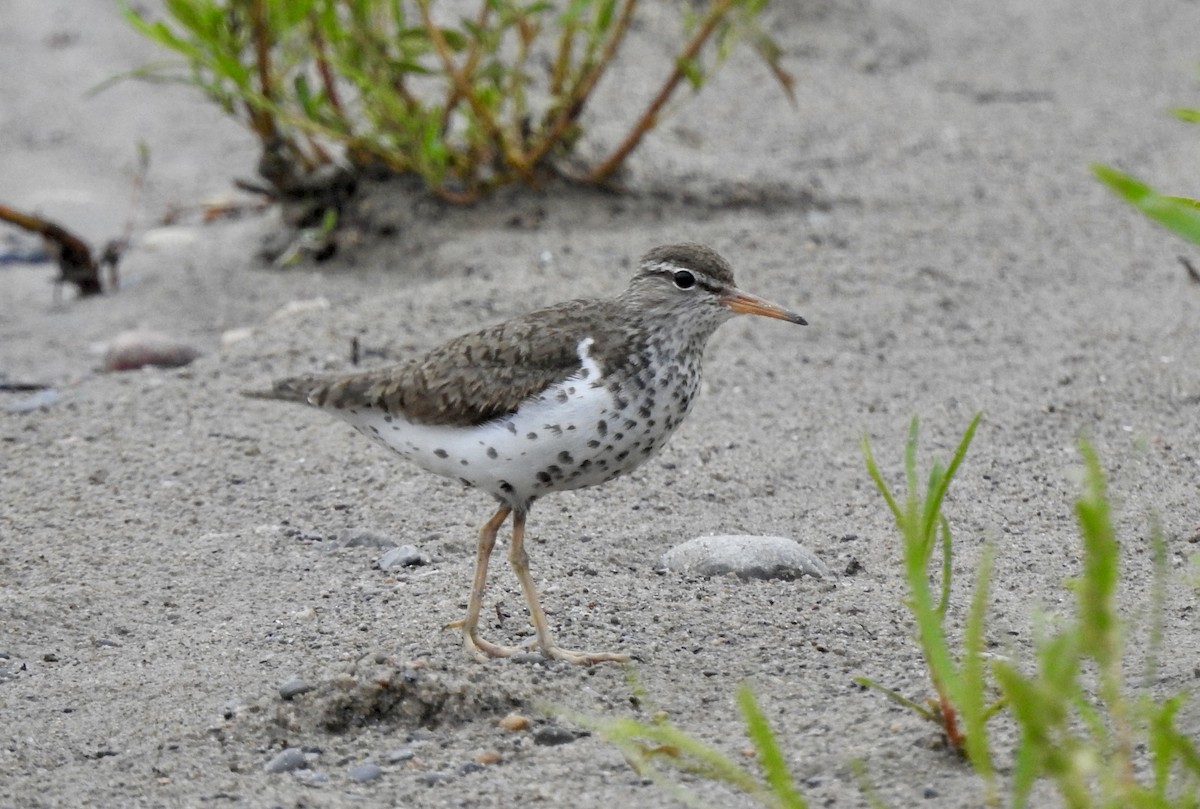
{"x": 465, "y": 103}
{"x": 960, "y": 707}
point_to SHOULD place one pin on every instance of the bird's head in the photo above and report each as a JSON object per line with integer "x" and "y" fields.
{"x": 693, "y": 282}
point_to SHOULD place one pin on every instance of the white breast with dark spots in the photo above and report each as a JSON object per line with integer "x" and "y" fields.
{"x": 580, "y": 432}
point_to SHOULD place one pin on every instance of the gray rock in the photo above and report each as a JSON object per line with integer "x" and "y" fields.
{"x": 552, "y": 735}
{"x": 364, "y": 772}
{"x": 400, "y": 755}
{"x": 403, "y": 556}
{"x": 287, "y": 760}
{"x": 749, "y": 557}
{"x": 294, "y": 688}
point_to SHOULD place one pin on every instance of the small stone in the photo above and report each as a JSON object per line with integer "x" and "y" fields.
{"x": 403, "y": 556}
{"x": 50, "y": 657}
{"x": 105, "y": 643}
{"x": 553, "y": 735}
{"x": 434, "y": 777}
{"x": 487, "y": 757}
{"x": 289, "y": 759}
{"x": 929, "y": 792}
{"x": 401, "y": 755}
{"x": 514, "y": 721}
{"x": 140, "y": 348}
{"x": 364, "y": 772}
{"x": 749, "y": 557}
{"x": 470, "y": 767}
{"x": 294, "y": 688}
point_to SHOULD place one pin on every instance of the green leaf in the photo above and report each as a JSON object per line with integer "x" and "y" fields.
{"x": 1192, "y": 116}
{"x": 693, "y": 72}
{"x": 1179, "y": 214}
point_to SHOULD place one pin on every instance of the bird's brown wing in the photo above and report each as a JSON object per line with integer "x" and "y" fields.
{"x": 470, "y": 380}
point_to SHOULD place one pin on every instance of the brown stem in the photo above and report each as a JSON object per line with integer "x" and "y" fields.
{"x": 512, "y": 154}
{"x": 324, "y": 70}
{"x": 262, "y": 121}
{"x": 469, "y": 66}
{"x": 579, "y": 95}
{"x": 649, "y": 117}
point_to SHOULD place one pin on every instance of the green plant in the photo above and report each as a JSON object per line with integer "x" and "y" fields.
{"x": 960, "y": 686}
{"x": 1085, "y": 737}
{"x": 1180, "y": 214}
{"x": 1079, "y": 725}
{"x": 467, "y": 105}
{"x": 646, "y": 745}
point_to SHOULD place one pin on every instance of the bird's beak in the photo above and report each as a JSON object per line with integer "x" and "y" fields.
{"x": 746, "y": 304}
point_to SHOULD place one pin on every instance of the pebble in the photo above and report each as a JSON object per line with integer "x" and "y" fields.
{"x": 403, "y": 556}
{"x": 294, "y": 688}
{"x": 552, "y": 735}
{"x": 749, "y": 557}
{"x": 140, "y": 348}
{"x": 287, "y": 760}
{"x": 364, "y": 772}
{"x": 401, "y": 755}
{"x": 435, "y": 777}
{"x": 514, "y": 721}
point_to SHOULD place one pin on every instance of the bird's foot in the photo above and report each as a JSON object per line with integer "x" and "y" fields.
{"x": 481, "y": 649}
{"x": 583, "y": 658}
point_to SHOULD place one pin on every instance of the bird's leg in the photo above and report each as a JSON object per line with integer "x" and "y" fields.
{"x": 519, "y": 560}
{"x": 475, "y": 645}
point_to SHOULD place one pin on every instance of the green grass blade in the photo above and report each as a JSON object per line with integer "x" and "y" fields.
{"x": 769, "y": 755}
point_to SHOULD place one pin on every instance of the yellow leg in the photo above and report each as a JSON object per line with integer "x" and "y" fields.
{"x": 519, "y": 560}
{"x": 475, "y": 645}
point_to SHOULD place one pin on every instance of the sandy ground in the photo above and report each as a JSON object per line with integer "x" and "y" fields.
{"x": 170, "y": 552}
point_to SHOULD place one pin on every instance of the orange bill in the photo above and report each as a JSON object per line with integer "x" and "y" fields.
{"x": 746, "y": 304}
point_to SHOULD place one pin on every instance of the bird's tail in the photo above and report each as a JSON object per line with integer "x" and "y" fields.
{"x": 294, "y": 389}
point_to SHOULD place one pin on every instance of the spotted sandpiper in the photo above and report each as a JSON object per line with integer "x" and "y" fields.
{"x": 561, "y": 398}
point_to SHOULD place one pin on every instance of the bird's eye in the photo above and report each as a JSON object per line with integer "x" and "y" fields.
{"x": 684, "y": 279}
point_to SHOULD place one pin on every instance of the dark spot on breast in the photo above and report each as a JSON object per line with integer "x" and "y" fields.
{"x": 570, "y": 427}
{"x": 585, "y": 464}
{"x": 531, "y": 436}
{"x": 465, "y": 482}
{"x": 618, "y": 436}
{"x": 647, "y": 450}
{"x": 441, "y": 453}
{"x": 388, "y": 419}
{"x": 512, "y": 428}
{"x": 644, "y": 411}
{"x": 491, "y": 452}
{"x": 593, "y": 444}
{"x": 602, "y": 463}
{"x": 374, "y": 429}
{"x": 554, "y": 470}
{"x": 543, "y": 476}
{"x": 630, "y": 424}
{"x": 650, "y": 423}
{"x": 464, "y": 462}
{"x": 622, "y": 455}
{"x": 562, "y": 397}
{"x": 602, "y": 427}
{"x": 565, "y": 457}
{"x": 505, "y": 486}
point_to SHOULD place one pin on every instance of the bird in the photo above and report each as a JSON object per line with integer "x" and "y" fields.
{"x": 565, "y": 397}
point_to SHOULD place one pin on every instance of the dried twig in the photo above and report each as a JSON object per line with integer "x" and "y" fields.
{"x": 75, "y": 263}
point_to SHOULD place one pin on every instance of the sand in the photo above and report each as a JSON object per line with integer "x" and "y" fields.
{"x": 171, "y": 553}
